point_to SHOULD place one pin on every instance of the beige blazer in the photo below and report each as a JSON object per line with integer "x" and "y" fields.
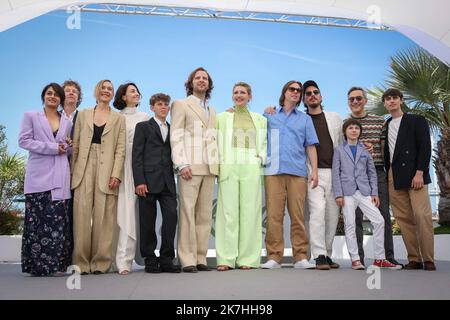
{"x": 112, "y": 149}
{"x": 193, "y": 137}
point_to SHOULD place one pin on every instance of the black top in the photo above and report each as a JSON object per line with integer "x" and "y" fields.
{"x": 55, "y": 133}
{"x": 325, "y": 148}
{"x": 98, "y": 131}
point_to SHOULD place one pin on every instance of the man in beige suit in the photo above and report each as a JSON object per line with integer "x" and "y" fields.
{"x": 195, "y": 157}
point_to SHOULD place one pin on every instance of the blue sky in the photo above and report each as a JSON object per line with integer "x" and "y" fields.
{"x": 157, "y": 53}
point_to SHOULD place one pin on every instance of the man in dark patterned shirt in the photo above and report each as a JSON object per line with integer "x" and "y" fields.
{"x": 372, "y": 137}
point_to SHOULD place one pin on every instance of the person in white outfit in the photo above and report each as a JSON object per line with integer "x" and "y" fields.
{"x": 355, "y": 184}
{"x": 127, "y": 99}
{"x": 323, "y": 210}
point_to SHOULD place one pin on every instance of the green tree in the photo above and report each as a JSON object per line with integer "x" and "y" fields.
{"x": 425, "y": 83}
{"x": 3, "y": 146}
{"x": 12, "y": 172}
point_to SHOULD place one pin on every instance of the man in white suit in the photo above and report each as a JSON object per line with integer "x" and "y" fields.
{"x": 322, "y": 208}
{"x": 195, "y": 158}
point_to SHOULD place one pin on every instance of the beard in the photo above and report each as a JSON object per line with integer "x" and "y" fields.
{"x": 200, "y": 90}
{"x": 314, "y": 105}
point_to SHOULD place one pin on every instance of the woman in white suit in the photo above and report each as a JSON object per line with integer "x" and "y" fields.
{"x": 127, "y": 100}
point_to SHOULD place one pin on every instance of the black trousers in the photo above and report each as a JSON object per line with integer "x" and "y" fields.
{"x": 147, "y": 220}
{"x": 384, "y": 209}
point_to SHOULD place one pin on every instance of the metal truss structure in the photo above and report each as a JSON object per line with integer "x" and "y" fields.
{"x": 229, "y": 15}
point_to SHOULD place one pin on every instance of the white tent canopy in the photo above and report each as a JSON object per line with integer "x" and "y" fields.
{"x": 426, "y": 23}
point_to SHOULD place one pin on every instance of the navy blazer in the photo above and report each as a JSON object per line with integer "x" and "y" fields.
{"x": 351, "y": 174}
{"x": 412, "y": 151}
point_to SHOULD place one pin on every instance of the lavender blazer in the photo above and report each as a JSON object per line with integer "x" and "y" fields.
{"x": 351, "y": 174}
{"x": 46, "y": 169}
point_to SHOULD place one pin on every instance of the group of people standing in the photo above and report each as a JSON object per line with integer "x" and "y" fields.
{"x": 94, "y": 178}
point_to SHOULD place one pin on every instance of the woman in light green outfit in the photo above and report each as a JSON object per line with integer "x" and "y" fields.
{"x": 242, "y": 149}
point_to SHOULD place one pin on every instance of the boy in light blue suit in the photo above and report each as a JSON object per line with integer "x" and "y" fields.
{"x": 355, "y": 185}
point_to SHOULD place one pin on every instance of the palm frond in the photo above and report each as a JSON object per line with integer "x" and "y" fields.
{"x": 425, "y": 83}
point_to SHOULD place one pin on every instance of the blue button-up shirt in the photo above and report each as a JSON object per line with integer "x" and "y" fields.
{"x": 288, "y": 136}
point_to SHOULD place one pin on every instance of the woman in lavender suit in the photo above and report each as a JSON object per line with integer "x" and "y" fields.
{"x": 46, "y": 238}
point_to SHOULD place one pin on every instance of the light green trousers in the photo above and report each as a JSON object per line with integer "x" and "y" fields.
{"x": 239, "y": 210}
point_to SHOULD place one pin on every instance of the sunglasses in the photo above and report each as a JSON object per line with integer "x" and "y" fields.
{"x": 292, "y": 89}
{"x": 357, "y": 98}
{"x": 310, "y": 93}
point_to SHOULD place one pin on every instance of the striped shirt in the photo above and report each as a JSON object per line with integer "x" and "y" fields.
{"x": 372, "y": 132}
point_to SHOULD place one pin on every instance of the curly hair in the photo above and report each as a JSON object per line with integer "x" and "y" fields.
{"x": 71, "y": 83}
{"x": 189, "y": 86}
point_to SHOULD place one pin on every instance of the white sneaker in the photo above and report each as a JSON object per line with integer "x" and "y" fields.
{"x": 357, "y": 265}
{"x": 304, "y": 264}
{"x": 271, "y": 264}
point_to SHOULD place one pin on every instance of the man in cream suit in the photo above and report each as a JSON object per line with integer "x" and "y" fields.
{"x": 195, "y": 157}
{"x": 323, "y": 210}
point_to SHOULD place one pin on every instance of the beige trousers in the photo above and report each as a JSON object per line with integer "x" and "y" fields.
{"x": 94, "y": 217}
{"x": 412, "y": 210}
{"x": 278, "y": 188}
{"x": 194, "y": 222}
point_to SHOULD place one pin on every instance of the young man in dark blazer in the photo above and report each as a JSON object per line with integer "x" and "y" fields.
{"x": 407, "y": 154}
{"x": 154, "y": 180}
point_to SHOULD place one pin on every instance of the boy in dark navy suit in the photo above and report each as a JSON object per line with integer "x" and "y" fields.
{"x": 154, "y": 180}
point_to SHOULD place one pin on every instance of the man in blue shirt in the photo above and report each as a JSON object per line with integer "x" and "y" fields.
{"x": 291, "y": 134}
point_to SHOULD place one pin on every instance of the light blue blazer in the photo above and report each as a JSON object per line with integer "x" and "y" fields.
{"x": 351, "y": 174}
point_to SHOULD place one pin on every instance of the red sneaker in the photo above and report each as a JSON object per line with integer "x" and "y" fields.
{"x": 385, "y": 264}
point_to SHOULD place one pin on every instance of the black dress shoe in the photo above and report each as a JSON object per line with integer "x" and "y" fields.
{"x": 170, "y": 268}
{"x": 190, "y": 269}
{"x": 152, "y": 268}
{"x": 203, "y": 267}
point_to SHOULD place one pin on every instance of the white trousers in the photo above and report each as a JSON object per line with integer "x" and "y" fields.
{"x": 375, "y": 217}
{"x": 126, "y": 249}
{"x": 323, "y": 215}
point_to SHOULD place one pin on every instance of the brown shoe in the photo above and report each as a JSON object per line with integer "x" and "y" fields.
{"x": 414, "y": 265}
{"x": 203, "y": 267}
{"x": 429, "y": 266}
{"x": 190, "y": 269}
